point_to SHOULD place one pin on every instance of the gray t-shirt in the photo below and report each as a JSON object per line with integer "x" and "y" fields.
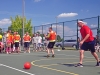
{"x": 4, "y": 38}
{"x": 34, "y": 39}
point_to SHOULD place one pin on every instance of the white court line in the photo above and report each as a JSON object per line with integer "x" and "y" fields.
{"x": 16, "y": 69}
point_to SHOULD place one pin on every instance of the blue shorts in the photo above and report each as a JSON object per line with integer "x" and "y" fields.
{"x": 39, "y": 45}
{"x": 88, "y": 46}
{"x": 26, "y": 44}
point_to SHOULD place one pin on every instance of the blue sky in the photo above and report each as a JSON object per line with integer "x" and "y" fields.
{"x": 45, "y": 11}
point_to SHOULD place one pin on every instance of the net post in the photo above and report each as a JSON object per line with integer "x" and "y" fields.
{"x": 34, "y": 29}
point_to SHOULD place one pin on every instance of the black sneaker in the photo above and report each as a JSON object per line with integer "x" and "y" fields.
{"x": 78, "y": 65}
{"x": 97, "y": 65}
{"x": 53, "y": 55}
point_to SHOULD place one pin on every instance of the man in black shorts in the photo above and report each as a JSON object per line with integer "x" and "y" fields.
{"x": 87, "y": 42}
{"x": 17, "y": 41}
{"x": 52, "y": 39}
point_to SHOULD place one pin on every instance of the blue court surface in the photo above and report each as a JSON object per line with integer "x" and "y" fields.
{"x": 62, "y": 64}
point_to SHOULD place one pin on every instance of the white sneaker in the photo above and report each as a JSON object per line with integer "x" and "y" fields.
{"x": 29, "y": 52}
{"x": 7, "y": 52}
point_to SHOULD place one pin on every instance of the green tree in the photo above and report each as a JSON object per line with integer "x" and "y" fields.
{"x": 59, "y": 38}
{"x": 17, "y": 25}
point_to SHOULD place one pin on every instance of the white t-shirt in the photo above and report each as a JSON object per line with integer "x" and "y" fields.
{"x": 34, "y": 39}
{"x": 39, "y": 39}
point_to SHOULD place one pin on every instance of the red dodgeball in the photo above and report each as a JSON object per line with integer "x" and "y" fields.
{"x": 27, "y": 65}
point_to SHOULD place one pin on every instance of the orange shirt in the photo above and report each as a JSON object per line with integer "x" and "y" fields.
{"x": 26, "y": 38}
{"x": 16, "y": 38}
{"x": 12, "y": 38}
{"x": 52, "y": 36}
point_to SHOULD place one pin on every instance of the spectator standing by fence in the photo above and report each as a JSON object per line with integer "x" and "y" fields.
{"x": 34, "y": 42}
{"x": 17, "y": 41}
{"x": 27, "y": 39}
{"x": 97, "y": 44}
{"x": 39, "y": 41}
{"x": 4, "y": 40}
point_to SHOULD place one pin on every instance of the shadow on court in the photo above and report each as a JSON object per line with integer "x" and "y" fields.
{"x": 68, "y": 65}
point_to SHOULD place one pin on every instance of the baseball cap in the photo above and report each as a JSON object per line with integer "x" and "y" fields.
{"x": 82, "y": 22}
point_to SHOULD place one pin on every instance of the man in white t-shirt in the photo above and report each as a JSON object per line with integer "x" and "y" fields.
{"x": 46, "y": 42}
{"x": 39, "y": 40}
{"x": 34, "y": 42}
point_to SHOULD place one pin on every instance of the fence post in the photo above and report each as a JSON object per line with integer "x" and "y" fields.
{"x": 98, "y": 27}
{"x": 42, "y": 32}
{"x": 98, "y": 30}
{"x": 34, "y": 29}
{"x": 77, "y": 47}
{"x": 56, "y": 27}
{"x": 51, "y": 25}
{"x": 63, "y": 38}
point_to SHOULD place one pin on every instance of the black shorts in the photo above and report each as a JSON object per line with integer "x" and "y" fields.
{"x": 51, "y": 44}
{"x": 88, "y": 46}
{"x": 26, "y": 44}
{"x": 11, "y": 45}
{"x": 16, "y": 44}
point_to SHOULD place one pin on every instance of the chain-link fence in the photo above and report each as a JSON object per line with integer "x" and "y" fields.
{"x": 69, "y": 31}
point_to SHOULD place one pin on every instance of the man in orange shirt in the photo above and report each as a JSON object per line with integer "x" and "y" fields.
{"x": 27, "y": 39}
{"x": 17, "y": 41}
{"x": 52, "y": 39}
{"x": 11, "y": 39}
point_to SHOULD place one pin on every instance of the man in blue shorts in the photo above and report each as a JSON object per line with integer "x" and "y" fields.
{"x": 87, "y": 43}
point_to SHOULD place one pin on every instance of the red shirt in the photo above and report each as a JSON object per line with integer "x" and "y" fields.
{"x": 86, "y": 30}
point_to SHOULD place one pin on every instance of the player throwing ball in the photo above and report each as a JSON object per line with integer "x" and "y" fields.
{"x": 52, "y": 39}
{"x": 86, "y": 43}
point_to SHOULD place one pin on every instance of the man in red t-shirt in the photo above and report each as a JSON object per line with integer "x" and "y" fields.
{"x": 87, "y": 42}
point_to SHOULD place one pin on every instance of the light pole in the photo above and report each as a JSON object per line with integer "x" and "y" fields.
{"x": 23, "y": 12}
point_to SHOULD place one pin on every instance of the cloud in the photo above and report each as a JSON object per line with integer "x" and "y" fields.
{"x": 93, "y": 25}
{"x": 5, "y": 22}
{"x": 37, "y": 0}
{"x": 60, "y": 28}
{"x": 46, "y": 23}
{"x": 67, "y": 15}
